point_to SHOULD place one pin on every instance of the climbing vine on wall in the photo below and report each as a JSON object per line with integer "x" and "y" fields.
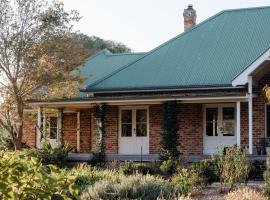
{"x": 99, "y": 151}
{"x": 169, "y": 129}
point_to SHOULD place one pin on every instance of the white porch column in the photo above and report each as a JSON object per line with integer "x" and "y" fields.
{"x": 250, "y": 117}
{"x": 78, "y": 130}
{"x": 238, "y": 123}
{"x": 39, "y": 124}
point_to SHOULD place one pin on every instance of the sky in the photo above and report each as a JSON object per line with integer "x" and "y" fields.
{"x": 145, "y": 24}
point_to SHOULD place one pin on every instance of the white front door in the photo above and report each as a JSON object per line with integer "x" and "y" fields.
{"x": 219, "y": 127}
{"x": 133, "y": 130}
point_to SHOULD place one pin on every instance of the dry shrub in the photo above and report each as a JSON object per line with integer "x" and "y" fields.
{"x": 245, "y": 193}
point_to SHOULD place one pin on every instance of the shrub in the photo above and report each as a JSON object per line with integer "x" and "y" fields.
{"x": 233, "y": 166}
{"x": 207, "y": 169}
{"x": 168, "y": 166}
{"x": 186, "y": 181}
{"x": 130, "y": 168}
{"x": 55, "y": 156}
{"x": 22, "y": 177}
{"x": 266, "y": 176}
{"x": 169, "y": 129}
{"x": 86, "y": 175}
{"x": 245, "y": 193}
{"x": 132, "y": 187}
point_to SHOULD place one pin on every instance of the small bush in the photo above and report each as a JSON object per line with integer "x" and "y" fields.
{"x": 168, "y": 166}
{"x": 233, "y": 166}
{"x": 54, "y": 156}
{"x": 132, "y": 187}
{"x": 86, "y": 175}
{"x": 207, "y": 169}
{"x": 266, "y": 176}
{"x": 186, "y": 181}
{"x": 129, "y": 168}
{"x": 245, "y": 193}
{"x": 22, "y": 177}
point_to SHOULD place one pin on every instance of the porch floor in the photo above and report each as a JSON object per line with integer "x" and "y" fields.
{"x": 85, "y": 157}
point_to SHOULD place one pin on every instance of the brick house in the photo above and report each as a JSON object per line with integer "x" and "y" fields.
{"x": 215, "y": 70}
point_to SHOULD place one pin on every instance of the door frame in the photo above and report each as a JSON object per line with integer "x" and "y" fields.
{"x": 132, "y": 108}
{"x": 219, "y": 107}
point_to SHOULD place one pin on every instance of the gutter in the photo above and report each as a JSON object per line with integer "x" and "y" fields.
{"x": 162, "y": 90}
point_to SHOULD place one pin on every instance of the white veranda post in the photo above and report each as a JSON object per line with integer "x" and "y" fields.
{"x": 238, "y": 123}
{"x": 39, "y": 124}
{"x": 250, "y": 117}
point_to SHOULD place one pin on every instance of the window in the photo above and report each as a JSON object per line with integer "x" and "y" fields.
{"x": 267, "y": 120}
{"x": 228, "y": 124}
{"x": 126, "y": 123}
{"x": 211, "y": 121}
{"x": 133, "y": 122}
{"x": 52, "y": 127}
{"x": 141, "y": 122}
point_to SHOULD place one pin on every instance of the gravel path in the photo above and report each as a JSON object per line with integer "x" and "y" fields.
{"x": 212, "y": 192}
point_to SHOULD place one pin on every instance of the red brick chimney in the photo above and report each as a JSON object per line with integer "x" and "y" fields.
{"x": 189, "y": 17}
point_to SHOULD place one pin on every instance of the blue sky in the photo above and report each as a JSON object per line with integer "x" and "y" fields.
{"x": 144, "y": 24}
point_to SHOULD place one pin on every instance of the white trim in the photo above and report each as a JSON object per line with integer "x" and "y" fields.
{"x": 143, "y": 101}
{"x": 238, "y": 123}
{"x": 250, "y": 116}
{"x": 242, "y": 78}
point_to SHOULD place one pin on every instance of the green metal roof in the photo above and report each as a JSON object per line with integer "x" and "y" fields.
{"x": 210, "y": 54}
{"x": 102, "y": 64}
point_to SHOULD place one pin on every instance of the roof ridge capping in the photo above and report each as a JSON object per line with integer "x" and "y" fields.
{"x": 248, "y": 8}
{"x": 171, "y": 40}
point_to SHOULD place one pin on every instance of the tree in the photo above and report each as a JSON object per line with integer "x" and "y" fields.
{"x": 37, "y": 53}
{"x": 94, "y": 44}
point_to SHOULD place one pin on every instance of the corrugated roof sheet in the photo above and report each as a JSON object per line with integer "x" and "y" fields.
{"x": 210, "y": 54}
{"x": 104, "y": 63}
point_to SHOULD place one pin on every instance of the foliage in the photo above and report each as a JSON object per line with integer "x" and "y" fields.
{"x": 169, "y": 129}
{"x": 132, "y": 187}
{"x": 266, "y": 176}
{"x": 233, "y": 166}
{"x": 129, "y": 168}
{"x": 6, "y": 142}
{"x": 186, "y": 181}
{"x": 22, "y": 177}
{"x": 38, "y": 52}
{"x": 168, "y": 166}
{"x": 54, "y": 156}
{"x": 95, "y": 44}
{"x": 207, "y": 169}
{"x": 100, "y": 148}
{"x": 245, "y": 193}
{"x": 87, "y": 175}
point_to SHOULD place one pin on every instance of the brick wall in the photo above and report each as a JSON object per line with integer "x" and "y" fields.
{"x": 111, "y": 138}
{"x": 154, "y": 128}
{"x": 29, "y": 130}
{"x": 70, "y": 130}
{"x": 190, "y": 120}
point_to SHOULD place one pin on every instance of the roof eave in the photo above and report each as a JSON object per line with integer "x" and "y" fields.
{"x": 161, "y": 89}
